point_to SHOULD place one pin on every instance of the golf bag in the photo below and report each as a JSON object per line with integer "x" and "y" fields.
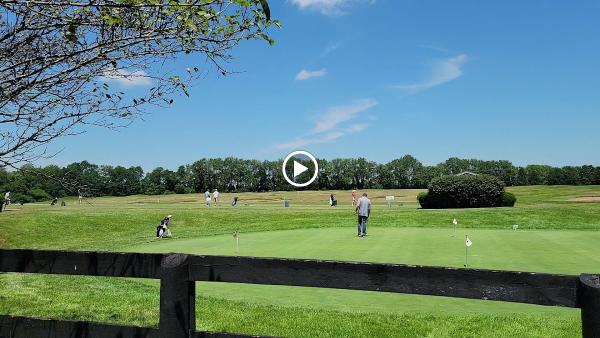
{"x": 162, "y": 230}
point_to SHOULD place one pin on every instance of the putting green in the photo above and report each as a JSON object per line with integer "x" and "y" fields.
{"x": 568, "y": 252}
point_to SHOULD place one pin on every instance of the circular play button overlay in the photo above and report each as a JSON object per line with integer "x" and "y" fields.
{"x": 299, "y": 170}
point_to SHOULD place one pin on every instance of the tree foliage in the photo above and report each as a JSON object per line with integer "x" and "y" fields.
{"x": 240, "y": 175}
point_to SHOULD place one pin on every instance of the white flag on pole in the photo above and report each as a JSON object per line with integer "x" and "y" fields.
{"x": 468, "y": 242}
{"x": 454, "y": 221}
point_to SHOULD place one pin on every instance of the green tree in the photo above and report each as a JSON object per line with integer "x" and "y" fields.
{"x": 427, "y": 174}
{"x": 537, "y": 174}
{"x": 403, "y": 172}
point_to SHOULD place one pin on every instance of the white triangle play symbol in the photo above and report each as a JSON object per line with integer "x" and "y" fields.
{"x": 299, "y": 168}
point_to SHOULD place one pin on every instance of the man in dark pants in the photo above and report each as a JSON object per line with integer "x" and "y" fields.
{"x": 363, "y": 210}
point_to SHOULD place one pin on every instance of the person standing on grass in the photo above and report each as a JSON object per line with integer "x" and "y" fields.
{"x": 363, "y": 210}
{"x": 353, "y": 197}
{"x": 207, "y": 197}
{"x": 332, "y": 201}
{"x": 216, "y": 197}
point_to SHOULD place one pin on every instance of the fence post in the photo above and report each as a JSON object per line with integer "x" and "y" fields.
{"x": 588, "y": 299}
{"x": 177, "y": 298}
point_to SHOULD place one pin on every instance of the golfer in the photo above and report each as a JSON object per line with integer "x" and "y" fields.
{"x": 216, "y": 197}
{"x": 162, "y": 230}
{"x": 363, "y": 209}
{"x": 207, "y": 197}
{"x": 353, "y": 197}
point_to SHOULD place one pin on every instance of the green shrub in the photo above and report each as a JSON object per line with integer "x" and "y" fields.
{"x": 508, "y": 200}
{"x": 39, "y": 195}
{"x": 422, "y": 197}
{"x": 464, "y": 192}
{"x": 21, "y": 198}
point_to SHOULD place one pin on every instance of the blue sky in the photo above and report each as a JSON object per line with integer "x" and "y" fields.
{"x": 514, "y": 80}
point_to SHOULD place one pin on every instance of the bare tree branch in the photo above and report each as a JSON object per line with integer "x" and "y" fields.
{"x": 59, "y": 61}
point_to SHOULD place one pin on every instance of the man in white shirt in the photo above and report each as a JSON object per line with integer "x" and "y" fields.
{"x": 207, "y": 197}
{"x": 7, "y": 198}
{"x": 216, "y": 197}
{"x": 363, "y": 210}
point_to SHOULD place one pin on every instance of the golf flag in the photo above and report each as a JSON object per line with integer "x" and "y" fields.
{"x": 468, "y": 242}
{"x": 454, "y": 221}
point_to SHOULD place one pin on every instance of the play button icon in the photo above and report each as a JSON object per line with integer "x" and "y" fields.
{"x": 299, "y": 168}
{"x": 300, "y": 158}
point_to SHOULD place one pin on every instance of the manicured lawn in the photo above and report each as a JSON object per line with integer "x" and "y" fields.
{"x": 556, "y": 251}
{"x": 555, "y": 234}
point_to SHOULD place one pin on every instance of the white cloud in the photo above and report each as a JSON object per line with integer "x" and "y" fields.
{"x": 126, "y": 78}
{"x": 303, "y": 142}
{"x": 327, "y": 7}
{"x": 441, "y": 72}
{"x": 336, "y": 115}
{"x": 309, "y": 74}
{"x": 328, "y": 128}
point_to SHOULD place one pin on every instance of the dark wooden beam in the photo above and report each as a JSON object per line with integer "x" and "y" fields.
{"x": 588, "y": 299}
{"x": 81, "y": 263}
{"x": 522, "y": 287}
{"x": 19, "y": 327}
{"x": 177, "y": 298}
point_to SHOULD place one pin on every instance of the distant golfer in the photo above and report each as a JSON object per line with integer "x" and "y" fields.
{"x": 353, "y": 197}
{"x": 207, "y": 197}
{"x": 216, "y": 197}
{"x": 332, "y": 201}
{"x": 162, "y": 230}
{"x": 363, "y": 209}
{"x": 6, "y": 201}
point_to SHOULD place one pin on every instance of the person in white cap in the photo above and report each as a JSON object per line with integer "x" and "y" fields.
{"x": 216, "y": 197}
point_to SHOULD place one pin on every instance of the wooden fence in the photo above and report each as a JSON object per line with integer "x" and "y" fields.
{"x": 179, "y": 272}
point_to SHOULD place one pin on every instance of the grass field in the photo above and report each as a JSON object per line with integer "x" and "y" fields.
{"x": 558, "y": 232}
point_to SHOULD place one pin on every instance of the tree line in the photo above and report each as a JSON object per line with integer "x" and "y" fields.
{"x": 230, "y": 174}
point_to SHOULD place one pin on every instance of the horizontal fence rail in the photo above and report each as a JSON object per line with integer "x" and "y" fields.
{"x": 178, "y": 274}
{"x": 522, "y": 287}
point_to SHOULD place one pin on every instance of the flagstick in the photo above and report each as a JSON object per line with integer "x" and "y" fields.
{"x": 454, "y": 222}
{"x": 466, "y": 249}
{"x": 237, "y": 244}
